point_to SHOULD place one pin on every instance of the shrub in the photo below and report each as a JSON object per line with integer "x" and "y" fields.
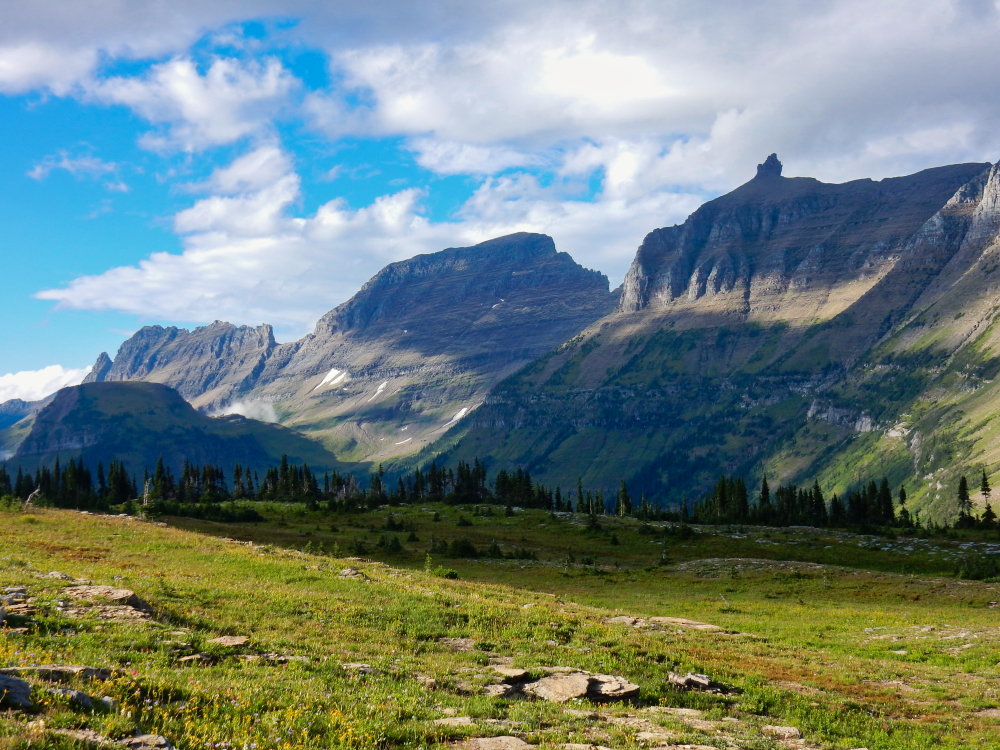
{"x": 462, "y": 548}
{"x": 978, "y": 567}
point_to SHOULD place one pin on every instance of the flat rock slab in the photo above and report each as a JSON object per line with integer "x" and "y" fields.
{"x": 14, "y": 693}
{"x": 605, "y": 688}
{"x": 560, "y": 688}
{"x": 495, "y": 743}
{"x": 601, "y": 688}
{"x": 112, "y": 594}
{"x": 990, "y": 713}
{"x": 352, "y": 573}
{"x": 62, "y": 673}
{"x": 146, "y": 742}
{"x": 578, "y": 746}
{"x": 683, "y": 622}
{"x": 782, "y": 733}
{"x": 230, "y": 640}
{"x": 455, "y": 721}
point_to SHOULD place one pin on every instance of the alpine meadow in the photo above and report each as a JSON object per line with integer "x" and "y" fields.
{"x": 478, "y": 377}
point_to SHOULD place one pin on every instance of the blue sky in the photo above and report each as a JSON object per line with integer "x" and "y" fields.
{"x": 258, "y": 161}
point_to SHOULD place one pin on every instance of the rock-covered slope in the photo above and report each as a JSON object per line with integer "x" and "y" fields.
{"x": 415, "y": 350}
{"x": 773, "y": 330}
{"x": 139, "y": 422}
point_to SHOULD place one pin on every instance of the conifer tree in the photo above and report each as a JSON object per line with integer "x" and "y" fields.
{"x": 904, "y": 513}
{"x": 984, "y": 487}
{"x": 964, "y": 501}
{"x": 625, "y": 502}
{"x": 886, "y": 514}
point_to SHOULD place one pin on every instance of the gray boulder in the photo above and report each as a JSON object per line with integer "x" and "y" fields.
{"x": 14, "y": 693}
{"x": 76, "y": 697}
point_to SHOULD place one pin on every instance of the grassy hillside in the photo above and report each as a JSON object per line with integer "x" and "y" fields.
{"x": 850, "y": 658}
{"x": 138, "y": 422}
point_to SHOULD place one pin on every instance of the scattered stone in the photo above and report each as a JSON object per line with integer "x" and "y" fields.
{"x": 230, "y": 640}
{"x": 990, "y": 713}
{"x": 353, "y": 573}
{"x": 656, "y": 738}
{"x": 60, "y": 576}
{"x": 87, "y": 736}
{"x": 146, "y": 742}
{"x": 194, "y": 659}
{"x": 581, "y": 714}
{"x": 449, "y": 711}
{"x": 782, "y": 733}
{"x": 458, "y": 644}
{"x": 62, "y": 673}
{"x": 692, "y": 713}
{"x": 578, "y": 746}
{"x": 276, "y": 659}
{"x": 428, "y": 682}
{"x": 606, "y": 688}
{"x": 455, "y": 721}
{"x": 498, "y": 691}
{"x": 360, "y": 668}
{"x": 14, "y": 693}
{"x": 692, "y": 681}
{"x": 108, "y": 703}
{"x": 495, "y": 743}
{"x": 76, "y": 697}
{"x": 511, "y": 674}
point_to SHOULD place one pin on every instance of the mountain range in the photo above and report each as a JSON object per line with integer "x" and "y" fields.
{"x": 794, "y": 328}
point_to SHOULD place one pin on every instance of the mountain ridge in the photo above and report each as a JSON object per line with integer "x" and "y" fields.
{"x": 415, "y": 349}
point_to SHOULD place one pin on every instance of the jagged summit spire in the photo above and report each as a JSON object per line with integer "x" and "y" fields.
{"x": 770, "y": 168}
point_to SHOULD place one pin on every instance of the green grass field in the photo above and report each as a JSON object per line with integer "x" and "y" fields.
{"x": 856, "y": 641}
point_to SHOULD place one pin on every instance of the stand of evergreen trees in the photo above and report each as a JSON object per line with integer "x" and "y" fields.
{"x": 199, "y": 491}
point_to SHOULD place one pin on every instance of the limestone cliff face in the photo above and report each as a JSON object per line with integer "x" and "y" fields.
{"x": 876, "y": 303}
{"x": 384, "y": 373}
{"x": 792, "y": 249}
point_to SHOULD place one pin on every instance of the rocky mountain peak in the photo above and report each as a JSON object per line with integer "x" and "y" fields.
{"x": 743, "y": 252}
{"x": 770, "y": 168}
{"x": 99, "y": 372}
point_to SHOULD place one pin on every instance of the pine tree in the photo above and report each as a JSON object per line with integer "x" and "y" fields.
{"x": 964, "y": 501}
{"x": 625, "y": 502}
{"x": 886, "y": 514}
{"x": 904, "y": 513}
{"x": 984, "y": 487}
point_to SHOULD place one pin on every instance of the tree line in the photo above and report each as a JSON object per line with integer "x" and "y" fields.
{"x": 73, "y": 485}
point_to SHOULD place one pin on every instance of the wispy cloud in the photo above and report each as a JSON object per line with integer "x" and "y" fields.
{"x": 83, "y": 165}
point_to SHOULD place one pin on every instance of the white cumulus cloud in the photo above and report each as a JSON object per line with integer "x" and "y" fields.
{"x": 33, "y": 385}
{"x": 231, "y": 101}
